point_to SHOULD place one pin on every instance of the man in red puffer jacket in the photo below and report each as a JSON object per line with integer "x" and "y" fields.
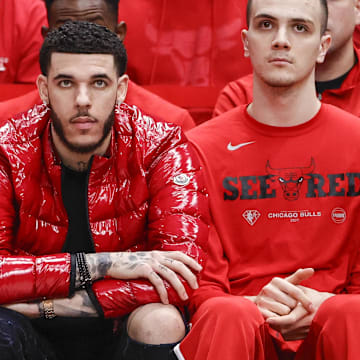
{"x": 103, "y": 213}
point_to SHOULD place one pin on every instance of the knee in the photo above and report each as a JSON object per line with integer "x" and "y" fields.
{"x": 338, "y": 310}
{"x": 13, "y": 325}
{"x": 156, "y": 324}
{"x": 14, "y": 332}
{"x": 230, "y": 309}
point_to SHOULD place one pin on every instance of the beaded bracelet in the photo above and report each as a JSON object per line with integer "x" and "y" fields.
{"x": 84, "y": 273}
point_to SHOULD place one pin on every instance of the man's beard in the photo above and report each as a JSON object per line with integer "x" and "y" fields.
{"x": 81, "y": 149}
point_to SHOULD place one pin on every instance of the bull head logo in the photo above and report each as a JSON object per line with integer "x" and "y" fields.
{"x": 291, "y": 179}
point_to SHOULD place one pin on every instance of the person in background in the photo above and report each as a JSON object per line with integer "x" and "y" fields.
{"x": 103, "y": 213}
{"x": 102, "y": 12}
{"x": 337, "y": 78}
{"x": 185, "y": 44}
{"x": 282, "y": 279}
{"x": 20, "y": 40}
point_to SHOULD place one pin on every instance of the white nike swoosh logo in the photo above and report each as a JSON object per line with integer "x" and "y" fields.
{"x": 236, "y": 147}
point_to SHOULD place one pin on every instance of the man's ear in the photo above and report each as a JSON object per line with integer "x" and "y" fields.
{"x": 244, "y": 37}
{"x": 42, "y": 85}
{"x": 44, "y": 31}
{"x": 324, "y": 47}
{"x": 357, "y": 12}
{"x": 121, "y": 29}
{"x": 122, "y": 88}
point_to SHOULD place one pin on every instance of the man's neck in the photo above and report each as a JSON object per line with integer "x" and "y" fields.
{"x": 285, "y": 106}
{"x": 77, "y": 161}
{"x": 337, "y": 63}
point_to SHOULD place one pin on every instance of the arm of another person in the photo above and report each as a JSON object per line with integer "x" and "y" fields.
{"x": 214, "y": 279}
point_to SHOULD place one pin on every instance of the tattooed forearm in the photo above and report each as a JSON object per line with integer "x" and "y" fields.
{"x": 98, "y": 265}
{"x": 40, "y": 308}
{"x": 104, "y": 264}
{"x": 79, "y": 305}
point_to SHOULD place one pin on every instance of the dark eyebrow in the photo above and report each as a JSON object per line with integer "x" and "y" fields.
{"x": 96, "y": 76}
{"x": 63, "y": 76}
{"x": 302, "y": 20}
{"x": 266, "y": 16}
{"x": 100, "y": 76}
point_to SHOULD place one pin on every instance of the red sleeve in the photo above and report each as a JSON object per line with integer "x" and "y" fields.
{"x": 238, "y": 92}
{"x": 35, "y": 277}
{"x": 214, "y": 278}
{"x": 177, "y": 221}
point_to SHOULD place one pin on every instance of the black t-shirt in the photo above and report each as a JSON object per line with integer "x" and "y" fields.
{"x": 74, "y": 195}
{"x": 78, "y": 239}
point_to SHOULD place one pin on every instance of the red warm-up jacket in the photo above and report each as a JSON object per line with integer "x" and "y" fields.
{"x": 137, "y": 195}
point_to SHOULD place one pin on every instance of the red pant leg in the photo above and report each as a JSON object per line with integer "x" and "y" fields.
{"x": 334, "y": 332}
{"x": 226, "y": 328}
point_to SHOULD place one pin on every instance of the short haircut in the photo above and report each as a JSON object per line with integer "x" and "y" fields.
{"x": 324, "y": 20}
{"x": 113, "y": 6}
{"x": 81, "y": 37}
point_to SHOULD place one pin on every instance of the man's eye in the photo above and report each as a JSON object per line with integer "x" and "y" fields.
{"x": 265, "y": 25}
{"x": 300, "y": 28}
{"x": 65, "y": 83}
{"x": 100, "y": 83}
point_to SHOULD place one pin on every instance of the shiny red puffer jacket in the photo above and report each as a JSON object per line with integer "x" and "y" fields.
{"x": 134, "y": 203}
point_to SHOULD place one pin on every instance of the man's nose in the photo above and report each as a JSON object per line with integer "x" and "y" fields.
{"x": 281, "y": 39}
{"x": 83, "y": 97}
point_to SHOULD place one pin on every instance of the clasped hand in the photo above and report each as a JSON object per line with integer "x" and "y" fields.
{"x": 157, "y": 266}
{"x": 289, "y": 307}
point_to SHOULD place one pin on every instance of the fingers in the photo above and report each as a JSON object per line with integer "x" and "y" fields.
{"x": 297, "y": 330}
{"x": 167, "y": 266}
{"x": 181, "y": 269}
{"x": 159, "y": 285}
{"x": 276, "y": 290}
{"x": 294, "y": 292}
{"x": 300, "y": 275}
{"x": 266, "y": 313}
{"x": 183, "y": 258}
{"x": 271, "y": 308}
{"x": 284, "y": 322}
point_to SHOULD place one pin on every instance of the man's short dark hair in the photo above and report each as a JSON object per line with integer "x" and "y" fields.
{"x": 324, "y": 19}
{"x": 82, "y": 37}
{"x": 113, "y": 6}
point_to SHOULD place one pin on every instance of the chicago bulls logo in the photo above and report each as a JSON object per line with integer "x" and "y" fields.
{"x": 291, "y": 179}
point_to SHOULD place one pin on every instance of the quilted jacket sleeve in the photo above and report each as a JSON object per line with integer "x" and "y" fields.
{"x": 35, "y": 277}
{"x": 177, "y": 220}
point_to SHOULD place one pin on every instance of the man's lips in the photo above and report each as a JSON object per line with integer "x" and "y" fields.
{"x": 280, "y": 60}
{"x": 83, "y": 122}
{"x": 82, "y": 119}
